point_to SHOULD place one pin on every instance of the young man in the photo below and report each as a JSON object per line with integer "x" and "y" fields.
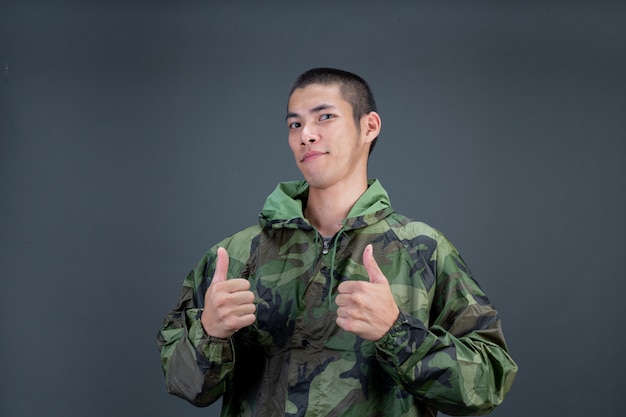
{"x": 334, "y": 304}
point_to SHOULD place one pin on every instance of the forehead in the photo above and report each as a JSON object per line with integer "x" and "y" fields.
{"x": 307, "y": 98}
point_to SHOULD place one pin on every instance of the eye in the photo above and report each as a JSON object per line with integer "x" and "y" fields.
{"x": 294, "y": 125}
{"x": 326, "y": 116}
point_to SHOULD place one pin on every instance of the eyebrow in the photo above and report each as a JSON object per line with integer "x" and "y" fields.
{"x": 315, "y": 109}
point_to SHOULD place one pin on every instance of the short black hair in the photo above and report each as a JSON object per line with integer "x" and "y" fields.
{"x": 354, "y": 89}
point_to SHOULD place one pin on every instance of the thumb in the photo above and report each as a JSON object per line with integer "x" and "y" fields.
{"x": 221, "y": 267}
{"x": 371, "y": 266}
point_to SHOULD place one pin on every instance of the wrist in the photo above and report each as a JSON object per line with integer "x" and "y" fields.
{"x": 209, "y": 333}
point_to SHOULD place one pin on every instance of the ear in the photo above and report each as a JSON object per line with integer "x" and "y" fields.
{"x": 371, "y": 125}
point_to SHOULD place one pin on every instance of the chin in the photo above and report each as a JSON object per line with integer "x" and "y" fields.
{"x": 312, "y": 179}
{"x": 317, "y": 183}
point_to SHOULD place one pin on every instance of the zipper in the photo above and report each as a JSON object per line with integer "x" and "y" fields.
{"x": 326, "y": 245}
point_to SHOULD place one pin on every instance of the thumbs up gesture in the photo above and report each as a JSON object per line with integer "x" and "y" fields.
{"x": 367, "y": 308}
{"x": 228, "y": 303}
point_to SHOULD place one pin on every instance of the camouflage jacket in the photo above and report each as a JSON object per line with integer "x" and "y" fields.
{"x": 446, "y": 351}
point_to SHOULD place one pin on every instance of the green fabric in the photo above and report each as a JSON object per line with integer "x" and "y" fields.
{"x": 446, "y": 352}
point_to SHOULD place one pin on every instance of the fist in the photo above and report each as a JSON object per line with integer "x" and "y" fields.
{"x": 228, "y": 303}
{"x": 367, "y": 308}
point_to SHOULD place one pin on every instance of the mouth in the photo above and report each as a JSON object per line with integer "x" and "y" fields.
{"x": 311, "y": 155}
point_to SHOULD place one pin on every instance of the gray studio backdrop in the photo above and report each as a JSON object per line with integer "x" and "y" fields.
{"x": 134, "y": 135}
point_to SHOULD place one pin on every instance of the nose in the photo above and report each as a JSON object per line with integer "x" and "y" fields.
{"x": 308, "y": 136}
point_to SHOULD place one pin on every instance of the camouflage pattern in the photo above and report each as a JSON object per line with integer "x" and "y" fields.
{"x": 446, "y": 352}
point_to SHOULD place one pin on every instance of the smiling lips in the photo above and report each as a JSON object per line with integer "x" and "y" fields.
{"x": 309, "y": 156}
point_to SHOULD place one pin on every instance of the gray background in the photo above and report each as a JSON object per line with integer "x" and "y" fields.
{"x": 134, "y": 135}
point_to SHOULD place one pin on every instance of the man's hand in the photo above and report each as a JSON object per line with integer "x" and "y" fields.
{"x": 228, "y": 303}
{"x": 367, "y": 308}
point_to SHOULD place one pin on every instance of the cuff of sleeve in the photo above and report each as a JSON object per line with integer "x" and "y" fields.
{"x": 402, "y": 340}
{"x": 211, "y": 347}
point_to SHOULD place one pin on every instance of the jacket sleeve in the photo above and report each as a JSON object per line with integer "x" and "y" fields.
{"x": 459, "y": 362}
{"x": 196, "y": 366}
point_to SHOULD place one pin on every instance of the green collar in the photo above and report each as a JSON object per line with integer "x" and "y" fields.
{"x": 283, "y": 208}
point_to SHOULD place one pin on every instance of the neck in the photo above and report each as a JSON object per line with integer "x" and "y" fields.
{"x": 327, "y": 208}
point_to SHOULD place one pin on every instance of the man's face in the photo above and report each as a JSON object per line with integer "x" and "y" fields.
{"x": 328, "y": 146}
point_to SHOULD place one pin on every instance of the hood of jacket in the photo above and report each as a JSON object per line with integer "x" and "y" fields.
{"x": 284, "y": 207}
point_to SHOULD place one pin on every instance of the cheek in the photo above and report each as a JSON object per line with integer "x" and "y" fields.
{"x": 294, "y": 145}
{"x": 291, "y": 141}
